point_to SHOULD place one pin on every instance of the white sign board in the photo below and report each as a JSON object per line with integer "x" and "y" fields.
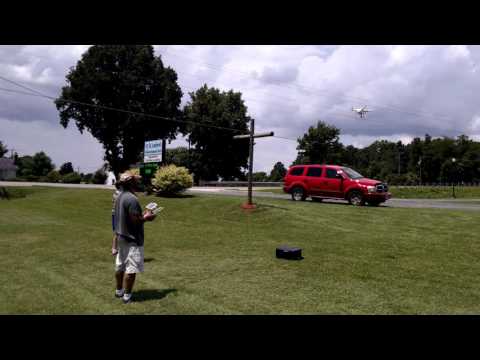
{"x": 153, "y": 151}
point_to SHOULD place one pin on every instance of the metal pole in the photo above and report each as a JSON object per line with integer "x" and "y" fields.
{"x": 420, "y": 171}
{"x": 399, "y": 163}
{"x": 164, "y": 151}
{"x": 250, "y": 165}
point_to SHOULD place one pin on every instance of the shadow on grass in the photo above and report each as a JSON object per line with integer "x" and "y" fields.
{"x": 176, "y": 196}
{"x": 346, "y": 203}
{"x": 260, "y": 205}
{"x": 148, "y": 259}
{"x": 152, "y": 294}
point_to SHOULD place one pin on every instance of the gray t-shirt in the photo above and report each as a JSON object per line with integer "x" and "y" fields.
{"x": 126, "y": 205}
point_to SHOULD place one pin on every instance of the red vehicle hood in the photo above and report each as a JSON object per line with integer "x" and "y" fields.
{"x": 368, "y": 182}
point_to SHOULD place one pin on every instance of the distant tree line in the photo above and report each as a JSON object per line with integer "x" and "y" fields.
{"x": 39, "y": 167}
{"x": 427, "y": 160}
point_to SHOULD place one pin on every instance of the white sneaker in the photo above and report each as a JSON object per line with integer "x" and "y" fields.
{"x": 127, "y": 298}
{"x": 119, "y": 293}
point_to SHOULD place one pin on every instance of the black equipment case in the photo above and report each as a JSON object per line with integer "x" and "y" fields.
{"x": 290, "y": 253}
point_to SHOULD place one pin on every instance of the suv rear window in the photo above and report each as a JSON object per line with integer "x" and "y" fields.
{"x": 297, "y": 171}
{"x": 314, "y": 171}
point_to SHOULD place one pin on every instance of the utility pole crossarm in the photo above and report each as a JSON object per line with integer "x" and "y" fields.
{"x": 270, "y": 133}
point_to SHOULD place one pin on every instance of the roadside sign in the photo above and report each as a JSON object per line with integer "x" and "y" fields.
{"x": 147, "y": 172}
{"x": 153, "y": 151}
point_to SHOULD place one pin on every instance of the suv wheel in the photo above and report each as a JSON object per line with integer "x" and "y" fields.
{"x": 298, "y": 194}
{"x": 356, "y": 198}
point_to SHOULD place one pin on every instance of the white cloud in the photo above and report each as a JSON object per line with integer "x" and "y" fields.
{"x": 412, "y": 90}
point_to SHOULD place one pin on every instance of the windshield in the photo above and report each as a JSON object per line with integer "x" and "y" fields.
{"x": 352, "y": 174}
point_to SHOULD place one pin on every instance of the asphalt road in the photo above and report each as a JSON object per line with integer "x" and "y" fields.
{"x": 460, "y": 204}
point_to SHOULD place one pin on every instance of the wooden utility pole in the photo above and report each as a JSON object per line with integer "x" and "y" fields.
{"x": 251, "y": 136}
{"x": 164, "y": 151}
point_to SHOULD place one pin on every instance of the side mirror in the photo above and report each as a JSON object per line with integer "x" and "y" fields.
{"x": 339, "y": 176}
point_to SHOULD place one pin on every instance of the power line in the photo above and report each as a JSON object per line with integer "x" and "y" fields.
{"x": 25, "y": 87}
{"x": 119, "y": 110}
{"x": 284, "y": 138}
{"x": 39, "y": 94}
{"x": 19, "y": 92}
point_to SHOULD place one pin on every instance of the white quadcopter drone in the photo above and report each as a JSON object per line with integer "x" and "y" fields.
{"x": 361, "y": 111}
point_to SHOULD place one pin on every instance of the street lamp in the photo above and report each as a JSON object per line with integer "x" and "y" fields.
{"x": 453, "y": 182}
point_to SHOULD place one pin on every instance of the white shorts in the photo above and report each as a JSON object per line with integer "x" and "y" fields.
{"x": 129, "y": 258}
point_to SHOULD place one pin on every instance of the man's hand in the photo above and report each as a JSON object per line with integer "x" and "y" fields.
{"x": 148, "y": 215}
{"x": 114, "y": 251}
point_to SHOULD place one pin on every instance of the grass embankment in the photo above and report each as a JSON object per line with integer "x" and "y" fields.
{"x": 205, "y": 255}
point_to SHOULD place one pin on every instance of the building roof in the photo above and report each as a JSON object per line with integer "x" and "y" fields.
{"x": 7, "y": 164}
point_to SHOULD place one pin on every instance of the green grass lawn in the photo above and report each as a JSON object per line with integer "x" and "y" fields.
{"x": 421, "y": 192}
{"x": 205, "y": 255}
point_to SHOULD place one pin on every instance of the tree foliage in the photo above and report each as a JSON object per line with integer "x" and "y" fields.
{"x": 99, "y": 177}
{"x": 278, "y": 172}
{"x": 217, "y": 153}
{"x": 179, "y": 156}
{"x": 32, "y": 167}
{"x": 128, "y": 77}
{"x": 66, "y": 168}
{"x": 427, "y": 160}
{"x": 319, "y": 145}
{"x": 260, "y": 176}
{"x": 72, "y": 178}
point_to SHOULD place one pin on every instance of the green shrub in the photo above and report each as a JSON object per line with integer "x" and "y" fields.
{"x": 12, "y": 193}
{"x": 171, "y": 180}
{"x": 87, "y": 178}
{"x": 31, "y": 178}
{"x": 99, "y": 177}
{"x": 53, "y": 176}
{"x": 72, "y": 178}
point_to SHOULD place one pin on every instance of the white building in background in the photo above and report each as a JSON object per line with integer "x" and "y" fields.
{"x": 110, "y": 178}
{"x": 8, "y": 170}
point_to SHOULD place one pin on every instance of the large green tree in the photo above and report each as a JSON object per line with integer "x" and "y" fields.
{"x": 179, "y": 156}
{"x": 218, "y": 154}
{"x": 127, "y": 77}
{"x": 37, "y": 165}
{"x": 278, "y": 172}
{"x": 66, "y": 168}
{"x": 320, "y": 144}
{"x": 260, "y": 176}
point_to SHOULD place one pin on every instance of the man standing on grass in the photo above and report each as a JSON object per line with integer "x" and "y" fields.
{"x": 129, "y": 220}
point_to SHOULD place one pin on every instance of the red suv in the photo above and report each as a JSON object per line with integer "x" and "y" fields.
{"x": 332, "y": 181}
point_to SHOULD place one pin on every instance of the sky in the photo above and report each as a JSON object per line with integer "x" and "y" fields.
{"x": 411, "y": 90}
